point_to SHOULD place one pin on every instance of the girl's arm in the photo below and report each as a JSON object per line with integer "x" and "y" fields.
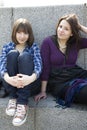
{"x": 12, "y": 80}
{"x": 42, "y": 94}
{"x": 45, "y": 53}
{"x": 83, "y": 28}
{"x": 43, "y": 86}
{"x": 37, "y": 60}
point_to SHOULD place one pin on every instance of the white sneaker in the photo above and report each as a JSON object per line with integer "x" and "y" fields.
{"x": 11, "y": 107}
{"x": 20, "y": 115}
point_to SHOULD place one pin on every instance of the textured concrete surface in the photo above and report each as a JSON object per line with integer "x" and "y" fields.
{"x": 45, "y": 116}
{"x": 43, "y": 21}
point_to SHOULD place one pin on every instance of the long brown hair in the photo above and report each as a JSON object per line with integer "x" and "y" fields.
{"x": 73, "y": 22}
{"x": 22, "y": 24}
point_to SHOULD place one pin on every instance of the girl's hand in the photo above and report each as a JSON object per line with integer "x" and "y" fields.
{"x": 14, "y": 81}
{"x": 20, "y": 80}
{"x": 78, "y": 23}
{"x": 24, "y": 80}
{"x": 40, "y": 96}
{"x": 11, "y": 80}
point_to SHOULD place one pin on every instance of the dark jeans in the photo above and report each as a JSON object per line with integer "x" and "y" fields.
{"x": 21, "y": 63}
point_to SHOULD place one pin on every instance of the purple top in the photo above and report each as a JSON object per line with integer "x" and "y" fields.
{"x": 53, "y": 57}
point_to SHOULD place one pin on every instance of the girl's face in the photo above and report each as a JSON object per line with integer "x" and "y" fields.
{"x": 22, "y": 37}
{"x": 64, "y": 31}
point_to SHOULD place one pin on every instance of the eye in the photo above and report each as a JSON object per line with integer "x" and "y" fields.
{"x": 25, "y": 32}
{"x": 18, "y": 32}
{"x": 60, "y": 26}
{"x": 66, "y": 29}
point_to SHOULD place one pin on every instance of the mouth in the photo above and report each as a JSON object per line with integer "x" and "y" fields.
{"x": 60, "y": 34}
{"x": 21, "y": 40}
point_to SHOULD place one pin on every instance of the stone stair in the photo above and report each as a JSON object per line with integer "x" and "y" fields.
{"x": 45, "y": 116}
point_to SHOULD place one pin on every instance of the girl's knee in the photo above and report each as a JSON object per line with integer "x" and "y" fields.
{"x": 13, "y": 53}
{"x": 25, "y": 56}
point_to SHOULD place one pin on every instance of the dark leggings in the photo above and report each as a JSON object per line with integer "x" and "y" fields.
{"x": 61, "y": 78}
{"x": 21, "y": 63}
{"x": 80, "y": 97}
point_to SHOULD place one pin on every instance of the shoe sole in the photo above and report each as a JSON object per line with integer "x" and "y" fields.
{"x": 21, "y": 123}
{"x": 8, "y": 113}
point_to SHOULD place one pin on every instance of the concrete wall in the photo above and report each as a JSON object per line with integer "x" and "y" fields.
{"x": 44, "y": 116}
{"x": 43, "y": 21}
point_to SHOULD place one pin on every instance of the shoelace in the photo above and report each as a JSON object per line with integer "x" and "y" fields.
{"x": 12, "y": 103}
{"x": 20, "y": 111}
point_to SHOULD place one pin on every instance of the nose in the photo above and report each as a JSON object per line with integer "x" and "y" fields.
{"x": 61, "y": 29}
{"x": 22, "y": 34}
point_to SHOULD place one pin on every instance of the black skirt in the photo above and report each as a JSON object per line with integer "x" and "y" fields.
{"x": 60, "y": 79}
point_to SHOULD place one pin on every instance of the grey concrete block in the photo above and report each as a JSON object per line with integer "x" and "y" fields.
{"x": 5, "y": 25}
{"x": 61, "y": 119}
{"x": 44, "y": 19}
{"x": 44, "y": 115}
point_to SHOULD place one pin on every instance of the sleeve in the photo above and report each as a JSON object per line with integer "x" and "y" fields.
{"x": 45, "y": 53}
{"x": 37, "y": 60}
{"x": 3, "y": 61}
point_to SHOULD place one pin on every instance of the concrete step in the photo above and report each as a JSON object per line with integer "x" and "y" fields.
{"x": 45, "y": 116}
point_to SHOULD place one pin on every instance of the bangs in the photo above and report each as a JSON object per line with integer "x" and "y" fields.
{"x": 22, "y": 28}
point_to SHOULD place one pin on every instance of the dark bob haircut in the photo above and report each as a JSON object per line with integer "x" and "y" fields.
{"x": 22, "y": 25}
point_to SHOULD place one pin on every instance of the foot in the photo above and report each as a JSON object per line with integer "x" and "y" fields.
{"x": 11, "y": 108}
{"x": 20, "y": 115}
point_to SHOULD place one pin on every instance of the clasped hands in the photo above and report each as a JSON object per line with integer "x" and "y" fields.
{"x": 20, "y": 80}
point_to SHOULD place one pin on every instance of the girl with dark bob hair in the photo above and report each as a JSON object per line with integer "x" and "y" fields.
{"x": 61, "y": 75}
{"x": 20, "y": 68}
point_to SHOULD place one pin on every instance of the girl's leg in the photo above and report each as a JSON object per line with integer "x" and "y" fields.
{"x": 12, "y": 62}
{"x": 12, "y": 69}
{"x": 81, "y": 97}
{"x": 35, "y": 87}
{"x": 26, "y": 66}
{"x": 3, "y": 92}
{"x": 25, "y": 63}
